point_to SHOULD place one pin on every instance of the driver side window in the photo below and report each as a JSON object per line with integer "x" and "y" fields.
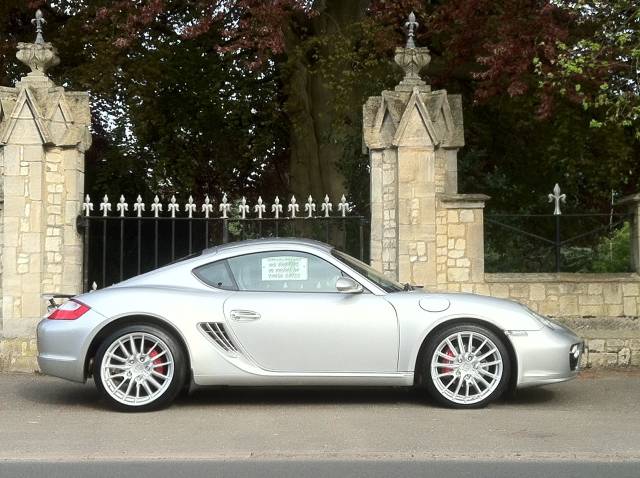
{"x": 284, "y": 271}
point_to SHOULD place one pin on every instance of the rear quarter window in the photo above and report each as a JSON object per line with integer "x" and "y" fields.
{"x": 216, "y": 274}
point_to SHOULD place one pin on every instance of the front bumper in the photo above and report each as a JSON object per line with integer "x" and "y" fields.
{"x": 63, "y": 345}
{"x": 546, "y": 356}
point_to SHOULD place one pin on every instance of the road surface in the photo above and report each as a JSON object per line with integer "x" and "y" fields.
{"x": 588, "y": 427}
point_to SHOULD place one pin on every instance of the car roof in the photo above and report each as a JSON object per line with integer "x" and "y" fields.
{"x": 269, "y": 241}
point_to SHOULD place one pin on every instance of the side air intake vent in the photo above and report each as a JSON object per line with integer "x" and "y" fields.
{"x": 219, "y": 335}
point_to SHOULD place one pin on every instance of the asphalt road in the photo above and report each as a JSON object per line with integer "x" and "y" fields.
{"x": 322, "y": 469}
{"x": 588, "y": 427}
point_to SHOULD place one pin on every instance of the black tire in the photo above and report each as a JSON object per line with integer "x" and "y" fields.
{"x": 174, "y": 384}
{"x": 431, "y": 384}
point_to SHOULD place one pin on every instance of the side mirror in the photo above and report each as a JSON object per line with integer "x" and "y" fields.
{"x": 347, "y": 285}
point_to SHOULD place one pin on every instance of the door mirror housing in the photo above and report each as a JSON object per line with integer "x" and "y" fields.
{"x": 346, "y": 285}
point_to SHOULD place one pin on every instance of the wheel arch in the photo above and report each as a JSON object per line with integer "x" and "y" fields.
{"x": 419, "y": 369}
{"x": 125, "y": 320}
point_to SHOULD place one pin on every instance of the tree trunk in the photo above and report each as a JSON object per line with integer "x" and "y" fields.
{"x": 314, "y": 157}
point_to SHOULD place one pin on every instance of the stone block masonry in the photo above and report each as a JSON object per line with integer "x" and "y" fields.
{"x": 605, "y": 353}
{"x": 44, "y": 132}
{"x": 568, "y": 295}
{"x": 459, "y": 242}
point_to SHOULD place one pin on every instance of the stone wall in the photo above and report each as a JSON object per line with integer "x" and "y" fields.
{"x": 613, "y": 352}
{"x": 569, "y": 295}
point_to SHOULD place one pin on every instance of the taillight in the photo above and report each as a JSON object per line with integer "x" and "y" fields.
{"x": 70, "y": 310}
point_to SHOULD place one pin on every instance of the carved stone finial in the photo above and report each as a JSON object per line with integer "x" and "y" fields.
{"x": 412, "y": 59}
{"x": 39, "y": 56}
{"x": 411, "y": 25}
{"x": 39, "y": 21}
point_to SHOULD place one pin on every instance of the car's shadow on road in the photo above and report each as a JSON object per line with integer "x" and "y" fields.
{"x": 348, "y": 396}
{"x": 60, "y": 393}
{"x": 48, "y": 392}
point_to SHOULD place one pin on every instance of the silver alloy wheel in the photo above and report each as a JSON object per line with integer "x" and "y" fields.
{"x": 466, "y": 367}
{"x": 137, "y": 368}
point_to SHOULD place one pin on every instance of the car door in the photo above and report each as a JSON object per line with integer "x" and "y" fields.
{"x": 289, "y": 317}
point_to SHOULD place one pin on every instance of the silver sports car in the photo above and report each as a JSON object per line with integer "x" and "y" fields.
{"x": 296, "y": 312}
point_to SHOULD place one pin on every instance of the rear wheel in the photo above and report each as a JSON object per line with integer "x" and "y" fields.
{"x": 466, "y": 366}
{"x": 139, "y": 368}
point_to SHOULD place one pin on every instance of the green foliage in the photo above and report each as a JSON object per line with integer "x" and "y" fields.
{"x": 613, "y": 254}
{"x": 601, "y": 60}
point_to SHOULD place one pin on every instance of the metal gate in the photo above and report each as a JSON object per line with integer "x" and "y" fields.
{"x": 127, "y": 241}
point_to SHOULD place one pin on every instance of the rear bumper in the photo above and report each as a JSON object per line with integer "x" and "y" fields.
{"x": 544, "y": 356}
{"x": 63, "y": 345}
{"x": 63, "y": 367}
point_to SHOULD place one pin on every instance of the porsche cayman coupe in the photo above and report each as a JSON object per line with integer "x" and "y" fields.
{"x": 279, "y": 312}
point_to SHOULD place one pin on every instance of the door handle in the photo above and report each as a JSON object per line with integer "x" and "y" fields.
{"x": 244, "y": 315}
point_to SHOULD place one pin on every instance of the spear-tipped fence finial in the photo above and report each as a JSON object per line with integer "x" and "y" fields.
{"x": 326, "y": 206}
{"x": 556, "y": 197}
{"x": 310, "y": 207}
{"x": 207, "y": 207}
{"x": 276, "y": 207}
{"x": 190, "y": 207}
{"x": 224, "y": 206}
{"x": 122, "y": 206}
{"x": 343, "y": 206}
{"x": 243, "y": 208}
{"x": 87, "y": 206}
{"x": 138, "y": 206}
{"x": 293, "y": 207}
{"x": 260, "y": 208}
{"x": 105, "y": 206}
{"x": 173, "y": 206}
{"x": 156, "y": 207}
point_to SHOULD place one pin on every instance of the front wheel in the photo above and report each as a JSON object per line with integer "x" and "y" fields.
{"x": 139, "y": 368}
{"x": 466, "y": 366}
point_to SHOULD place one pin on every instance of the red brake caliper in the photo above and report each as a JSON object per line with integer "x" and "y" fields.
{"x": 448, "y": 353}
{"x": 163, "y": 369}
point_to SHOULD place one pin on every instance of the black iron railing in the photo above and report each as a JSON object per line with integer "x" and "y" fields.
{"x": 588, "y": 242}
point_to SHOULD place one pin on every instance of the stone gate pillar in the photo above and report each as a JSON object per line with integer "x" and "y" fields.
{"x": 44, "y": 132}
{"x": 421, "y": 228}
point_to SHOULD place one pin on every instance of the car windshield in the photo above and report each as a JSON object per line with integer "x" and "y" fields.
{"x": 369, "y": 272}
